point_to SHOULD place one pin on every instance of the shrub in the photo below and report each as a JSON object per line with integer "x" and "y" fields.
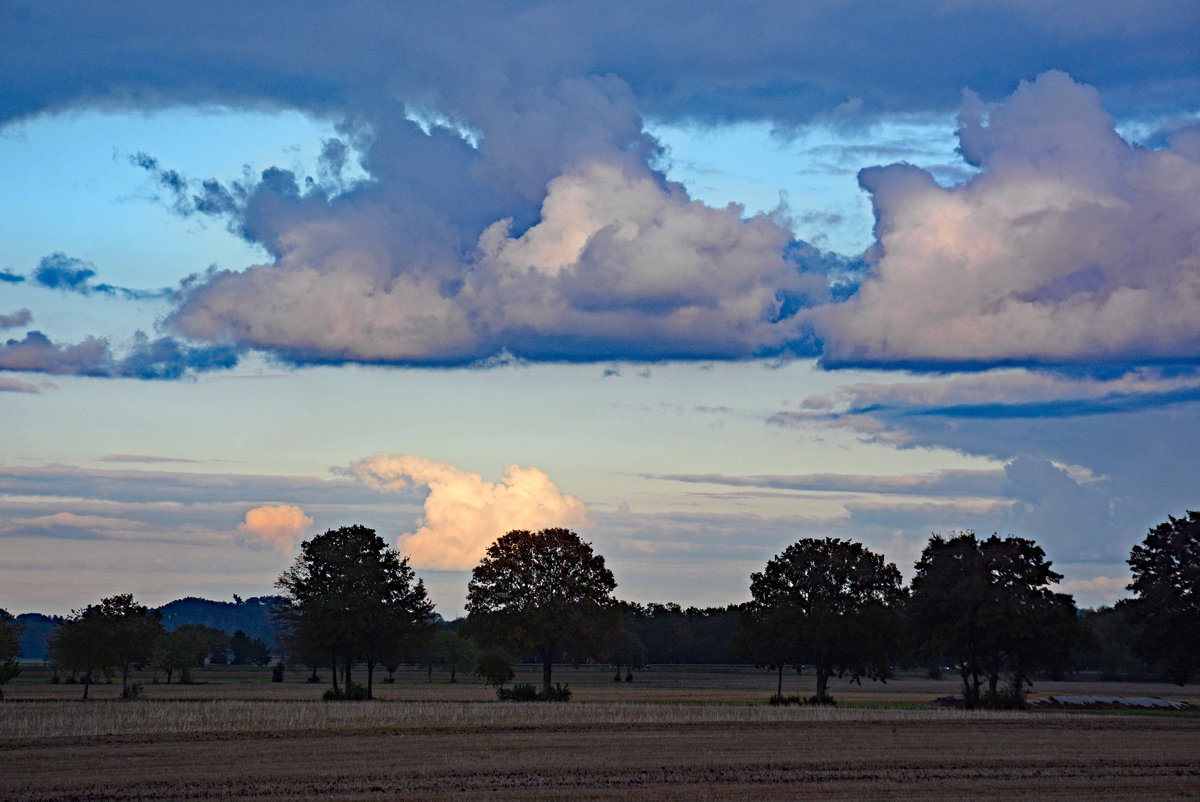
{"x": 784, "y": 701}
{"x": 528, "y": 692}
{"x": 559, "y": 693}
{"x": 277, "y": 672}
{"x": 351, "y": 693}
{"x": 132, "y": 691}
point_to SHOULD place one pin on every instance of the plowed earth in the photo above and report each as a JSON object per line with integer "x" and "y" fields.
{"x": 1066, "y": 756}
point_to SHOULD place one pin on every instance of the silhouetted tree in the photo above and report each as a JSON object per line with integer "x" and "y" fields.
{"x": 831, "y": 603}
{"x": 186, "y": 647}
{"x": 351, "y": 596}
{"x": 452, "y": 652}
{"x": 989, "y": 606}
{"x": 10, "y": 647}
{"x": 248, "y": 651}
{"x": 115, "y": 635}
{"x": 542, "y": 593}
{"x": 1166, "y": 603}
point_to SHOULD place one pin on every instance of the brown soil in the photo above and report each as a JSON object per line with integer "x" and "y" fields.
{"x": 1068, "y": 756}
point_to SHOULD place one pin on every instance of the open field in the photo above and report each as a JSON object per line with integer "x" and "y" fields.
{"x": 671, "y": 735}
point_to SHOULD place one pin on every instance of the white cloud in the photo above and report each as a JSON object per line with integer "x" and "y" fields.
{"x": 1068, "y": 246}
{"x": 279, "y": 526}
{"x": 463, "y": 513}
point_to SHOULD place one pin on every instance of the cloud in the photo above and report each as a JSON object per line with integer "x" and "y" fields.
{"x": 279, "y": 527}
{"x": 70, "y": 526}
{"x": 1069, "y": 246}
{"x": 8, "y": 385}
{"x": 1089, "y": 464}
{"x": 68, "y": 274}
{"x": 620, "y": 265}
{"x": 514, "y": 204}
{"x": 940, "y": 483}
{"x": 21, "y": 317}
{"x": 61, "y": 272}
{"x": 163, "y": 358}
{"x": 463, "y": 513}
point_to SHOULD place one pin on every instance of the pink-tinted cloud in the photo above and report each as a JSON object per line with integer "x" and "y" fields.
{"x": 463, "y": 513}
{"x": 1068, "y": 246}
{"x": 279, "y": 527}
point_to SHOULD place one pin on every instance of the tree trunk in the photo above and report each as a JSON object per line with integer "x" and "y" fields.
{"x": 429, "y": 672}
{"x": 349, "y": 663}
{"x": 124, "y": 680}
{"x": 779, "y": 684}
{"x": 453, "y": 672}
{"x": 370, "y": 677}
{"x": 547, "y": 663}
{"x": 993, "y": 681}
{"x": 822, "y": 683}
{"x": 968, "y": 702}
{"x": 333, "y": 662}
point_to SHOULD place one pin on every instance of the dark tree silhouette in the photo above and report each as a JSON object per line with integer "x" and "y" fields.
{"x": 248, "y": 651}
{"x": 117, "y": 634}
{"x": 831, "y": 603}
{"x": 988, "y": 606}
{"x": 1166, "y": 603}
{"x": 541, "y": 593}
{"x": 351, "y": 596}
{"x": 185, "y": 647}
{"x": 10, "y": 647}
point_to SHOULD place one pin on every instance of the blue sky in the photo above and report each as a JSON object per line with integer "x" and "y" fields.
{"x": 711, "y": 283}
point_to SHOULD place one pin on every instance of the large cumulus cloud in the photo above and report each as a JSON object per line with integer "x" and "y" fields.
{"x": 619, "y": 262}
{"x": 526, "y": 215}
{"x": 463, "y": 513}
{"x": 1068, "y": 246}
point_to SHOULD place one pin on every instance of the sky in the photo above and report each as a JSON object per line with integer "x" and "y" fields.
{"x": 695, "y": 282}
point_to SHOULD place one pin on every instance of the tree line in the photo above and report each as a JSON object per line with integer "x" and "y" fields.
{"x": 985, "y": 608}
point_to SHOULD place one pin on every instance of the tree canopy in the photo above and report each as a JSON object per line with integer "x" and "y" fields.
{"x": 543, "y": 593}
{"x": 115, "y": 635}
{"x": 988, "y": 606}
{"x": 831, "y": 603}
{"x": 10, "y": 647}
{"x": 350, "y": 596}
{"x": 1166, "y": 603}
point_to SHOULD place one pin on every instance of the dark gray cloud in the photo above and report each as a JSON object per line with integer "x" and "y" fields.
{"x": 21, "y": 317}
{"x": 767, "y": 60}
{"x": 163, "y": 358}
{"x": 61, "y": 272}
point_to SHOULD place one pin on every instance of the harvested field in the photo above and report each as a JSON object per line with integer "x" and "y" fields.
{"x": 604, "y": 752}
{"x": 673, "y": 734}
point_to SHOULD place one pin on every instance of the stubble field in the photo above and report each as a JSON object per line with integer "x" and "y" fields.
{"x": 670, "y": 735}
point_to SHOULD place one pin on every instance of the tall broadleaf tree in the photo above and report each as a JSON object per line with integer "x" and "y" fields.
{"x": 117, "y": 634}
{"x": 1166, "y": 603}
{"x": 543, "y": 593}
{"x": 350, "y": 596}
{"x": 832, "y": 603}
{"x": 990, "y": 606}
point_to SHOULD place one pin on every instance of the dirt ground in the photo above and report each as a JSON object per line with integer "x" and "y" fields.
{"x": 672, "y": 734}
{"x": 1067, "y": 756}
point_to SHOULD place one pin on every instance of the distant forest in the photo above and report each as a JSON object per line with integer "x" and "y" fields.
{"x": 669, "y": 633}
